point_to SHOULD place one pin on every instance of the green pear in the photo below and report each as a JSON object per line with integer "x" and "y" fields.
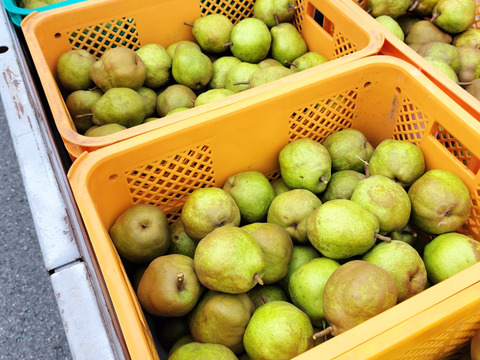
{"x": 287, "y": 43}
{"x": 239, "y": 77}
{"x": 79, "y": 104}
{"x": 229, "y": 260}
{"x": 305, "y": 164}
{"x": 157, "y": 64}
{"x": 180, "y": 242}
{"x": 349, "y": 149}
{"x": 341, "y": 185}
{"x": 406, "y": 21}
{"x": 340, "y": 229}
{"x": 176, "y": 110}
{"x": 291, "y": 210}
{"x": 391, "y": 25}
{"x": 118, "y": 67}
{"x": 440, "y": 202}
{"x": 278, "y": 330}
{"x": 469, "y": 59}
{"x": 172, "y": 47}
{"x": 354, "y": 293}
{"x": 220, "y": 318}
{"x": 443, "y": 67}
{"x": 252, "y": 193}
{"x": 32, "y": 4}
{"x": 185, "y": 339}
{"x": 221, "y": 67}
{"x": 175, "y": 96}
{"x": 277, "y": 247}
{"x": 140, "y": 233}
{"x": 203, "y": 351}
{"x": 272, "y": 12}
{"x": 260, "y": 295}
{"x": 207, "y": 209}
{"x": 191, "y": 67}
{"x": 119, "y": 105}
{"x": 268, "y": 74}
{"x": 424, "y": 31}
{"x": 301, "y": 254}
{"x": 150, "y": 98}
{"x": 307, "y": 61}
{"x": 104, "y": 130}
{"x": 448, "y": 254}
{"x": 408, "y": 234}
{"x": 306, "y": 287}
{"x": 73, "y": 69}
{"x": 279, "y": 186}
{"x": 439, "y": 50}
{"x": 454, "y": 16}
{"x": 392, "y": 8}
{"x": 404, "y": 263}
{"x": 250, "y": 40}
{"x": 384, "y": 198}
{"x": 468, "y": 38}
{"x": 212, "y": 95}
{"x": 422, "y": 7}
{"x": 169, "y": 286}
{"x": 269, "y": 62}
{"x": 398, "y": 160}
{"x": 212, "y": 31}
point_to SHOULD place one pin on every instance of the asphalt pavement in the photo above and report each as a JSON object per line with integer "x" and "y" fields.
{"x": 30, "y": 322}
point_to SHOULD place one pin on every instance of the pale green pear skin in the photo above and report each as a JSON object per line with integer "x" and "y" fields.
{"x": 301, "y": 254}
{"x": 440, "y": 202}
{"x": 269, "y": 74}
{"x": 439, "y": 50}
{"x": 454, "y": 16}
{"x": 271, "y": 11}
{"x": 221, "y": 67}
{"x": 424, "y": 32}
{"x": 212, "y": 95}
{"x": 157, "y": 64}
{"x": 448, "y": 254}
{"x": 391, "y": 8}
{"x": 341, "y": 185}
{"x": 391, "y": 25}
{"x": 443, "y": 67}
{"x": 307, "y": 61}
{"x": 180, "y": 242}
{"x": 251, "y": 40}
{"x": 266, "y": 293}
{"x": 469, "y": 58}
{"x": 239, "y": 77}
{"x": 172, "y": 47}
{"x": 104, "y": 130}
{"x": 212, "y": 31}
{"x": 191, "y": 68}
{"x": 79, "y": 104}
{"x": 73, "y": 68}
{"x": 423, "y": 7}
{"x": 203, "y": 351}
{"x": 468, "y": 38}
{"x": 173, "y": 97}
{"x": 287, "y": 43}
{"x": 150, "y": 98}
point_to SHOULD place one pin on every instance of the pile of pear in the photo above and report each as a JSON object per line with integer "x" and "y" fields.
{"x": 126, "y": 87}
{"x": 33, "y": 4}
{"x": 441, "y": 31}
{"x": 268, "y": 268}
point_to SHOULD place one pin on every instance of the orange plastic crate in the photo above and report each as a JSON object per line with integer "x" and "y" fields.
{"x": 381, "y": 96}
{"x": 99, "y": 25}
{"x": 393, "y": 46}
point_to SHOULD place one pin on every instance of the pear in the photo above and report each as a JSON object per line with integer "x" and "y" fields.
{"x": 440, "y": 202}
{"x": 279, "y": 186}
{"x": 272, "y": 12}
{"x": 277, "y": 247}
{"x": 239, "y": 76}
{"x": 207, "y": 209}
{"x": 354, "y": 293}
{"x": 439, "y": 50}
{"x": 468, "y": 38}
{"x": 469, "y": 59}
{"x": 157, "y": 64}
{"x": 252, "y": 193}
{"x": 170, "y": 329}
{"x": 173, "y": 97}
{"x": 220, "y": 318}
{"x": 269, "y": 62}
{"x": 176, "y": 110}
{"x": 341, "y": 185}
{"x": 392, "y": 8}
{"x": 425, "y": 31}
{"x": 118, "y": 67}
{"x": 212, "y": 31}
{"x": 150, "y": 98}
{"x": 454, "y": 16}
{"x": 307, "y": 61}
{"x": 120, "y": 105}
{"x": 250, "y": 40}
{"x": 291, "y": 210}
{"x": 221, "y": 67}
{"x": 268, "y": 74}
{"x": 349, "y": 149}
{"x": 169, "y": 286}
{"x": 172, "y": 47}
{"x": 79, "y": 104}
{"x": 443, "y": 67}
{"x": 340, "y": 229}
{"x": 306, "y": 287}
{"x": 32, "y": 4}
{"x": 104, "y": 130}
{"x": 404, "y": 263}
{"x": 422, "y": 7}
{"x": 202, "y": 351}
{"x": 406, "y": 21}
{"x": 191, "y": 67}
{"x": 287, "y": 43}
{"x": 229, "y": 260}
{"x": 474, "y": 88}
{"x": 185, "y": 339}
{"x": 398, "y": 160}
{"x": 278, "y": 330}
{"x": 305, "y": 164}
{"x": 73, "y": 69}
{"x": 260, "y": 295}
{"x": 391, "y": 25}
{"x": 212, "y": 95}
{"x": 180, "y": 242}
{"x": 408, "y": 234}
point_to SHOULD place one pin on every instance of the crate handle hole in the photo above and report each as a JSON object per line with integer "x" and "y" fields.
{"x": 113, "y": 177}
{"x": 3, "y": 49}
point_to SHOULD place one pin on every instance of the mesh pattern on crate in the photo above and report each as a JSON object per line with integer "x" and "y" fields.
{"x": 343, "y": 46}
{"x": 235, "y": 10}
{"x": 169, "y": 181}
{"x": 447, "y": 344}
{"x": 98, "y": 38}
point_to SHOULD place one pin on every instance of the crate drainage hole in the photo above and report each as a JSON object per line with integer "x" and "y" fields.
{"x": 398, "y": 90}
{"x": 113, "y": 177}
{"x": 3, "y": 49}
{"x": 367, "y": 84}
{"x": 57, "y": 35}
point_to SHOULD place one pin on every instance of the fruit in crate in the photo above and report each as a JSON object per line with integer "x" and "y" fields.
{"x": 268, "y": 74}
{"x": 422, "y": 7}
{"x": 79, "y": 104}
{"x": 239, "y": 77}
{"x": 212, "y": 95}
{"x": 266, "y": 293}
{"x": 180, "y": 242}
{"x": 454, "y": 16}
{"x": 157, "y": 64}
{"x": 307, "y": 60}
{"x": 272, "y": 12}
{"x": 301, "y": 254}
{"x": 104, "y": 130}
{"x": 443, "y": 67}
{"x": 341, "y": 185}
{"x": 191, "y": 67}
{"x": 425, "y": 31}
{"x": 212, "y": 32}
{"x": 443, "y": 51}
{"x": 287, "y": 43}
{"x": 202, "y": 351}
{"x": 73, "y": 69}
{"x": 150, "y": 99}
{"x": 250, "y": 40}
{"x": 221, "y": 68}
{"x": 391, "y": 25}
{"x": 468, "y": 38}
{"x": 392, "y": 8}
{"x": 173, "y": 97}
{"x": 468, "y": 58}
{"x": 172, "y": 47}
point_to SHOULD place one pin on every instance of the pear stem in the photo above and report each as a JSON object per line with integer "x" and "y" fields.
{"x": 323, "y": 179}
{"x": 464, "y": 83}
{"x": 83, "y": 115}
{"x": 276, "y": 18}
{"x": 365, "y": 166}
{"x": 435, "y": 16}
{"x": 186, "y": 23}
{"x": 180, "y": 280}
{"x": 264, "y": 299}
{"x": 258, "y": 279}
{"x": 93, "y": 88}
{"x": 230, "y": 43}
{"x": 241, "y": 83}
{"x": 290, "y": 63}
{"x": 414, "y": 5}
{"x": 322, "y": 333}
{"x": 383, "y": 237}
